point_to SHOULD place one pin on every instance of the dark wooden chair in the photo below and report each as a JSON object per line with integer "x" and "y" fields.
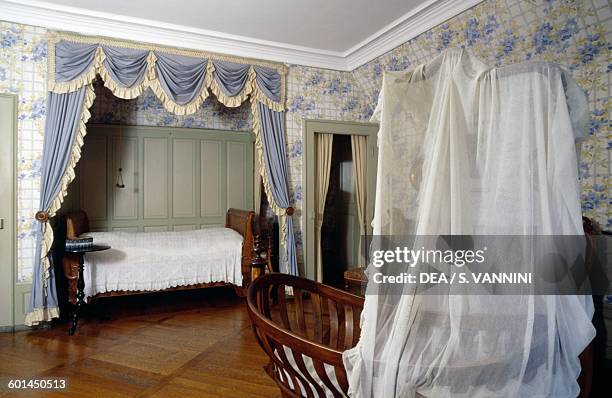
{"x": 304, "y": 334}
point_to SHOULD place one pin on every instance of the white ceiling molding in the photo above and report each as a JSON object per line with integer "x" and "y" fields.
{"x": 87, "y": 22}
{"x": 78, "y": 20}
{"x": 425, "y": 17}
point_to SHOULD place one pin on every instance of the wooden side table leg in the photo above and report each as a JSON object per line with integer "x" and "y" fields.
{"x": 80, "y": 296}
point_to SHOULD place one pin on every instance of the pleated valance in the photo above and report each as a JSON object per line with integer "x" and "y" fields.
{"x": 181, "y": 79}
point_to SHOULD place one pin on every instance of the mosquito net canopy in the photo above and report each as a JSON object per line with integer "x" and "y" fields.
{"x": 469, "y": 150}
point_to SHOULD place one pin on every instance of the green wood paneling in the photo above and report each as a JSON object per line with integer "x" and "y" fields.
{"x": 178, "y": 178}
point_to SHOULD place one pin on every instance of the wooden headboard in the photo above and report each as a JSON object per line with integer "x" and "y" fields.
{"x": 77, "y": 223}
{"x": 242, "y": 221}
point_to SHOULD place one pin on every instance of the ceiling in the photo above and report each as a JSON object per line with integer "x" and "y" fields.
{"x": 322, "y": 33}
{"x": 334, "y": 25}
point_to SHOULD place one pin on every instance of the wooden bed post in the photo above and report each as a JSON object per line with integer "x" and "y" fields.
{"x": 259, "y": 264}
{"x": 243, "y": 222}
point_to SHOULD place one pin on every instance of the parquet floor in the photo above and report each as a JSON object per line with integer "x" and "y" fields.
{"x": 182, "y": 344}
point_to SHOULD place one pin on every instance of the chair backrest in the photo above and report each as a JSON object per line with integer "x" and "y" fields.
{"x": 77, "y": 223}
{"x": 304, "y": 332}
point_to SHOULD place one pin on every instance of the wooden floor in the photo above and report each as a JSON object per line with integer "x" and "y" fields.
{"x": 182, "y": 344}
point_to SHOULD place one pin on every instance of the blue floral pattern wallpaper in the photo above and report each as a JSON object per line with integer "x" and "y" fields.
{"x": 147, "y": 110}
{"x": 23, "y": 72}
{"x": 576, "y": 34}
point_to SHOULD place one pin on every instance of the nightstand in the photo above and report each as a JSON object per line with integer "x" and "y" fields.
{"x": 81, "y": 282}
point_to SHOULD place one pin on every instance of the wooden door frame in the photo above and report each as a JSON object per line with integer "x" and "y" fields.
{"x": 309, "y": 128}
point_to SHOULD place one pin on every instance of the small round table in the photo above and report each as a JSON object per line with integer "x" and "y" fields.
{"x": 81, "y": 282}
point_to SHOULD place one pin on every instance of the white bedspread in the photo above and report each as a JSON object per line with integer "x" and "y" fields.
{"x": 159, "y": 260}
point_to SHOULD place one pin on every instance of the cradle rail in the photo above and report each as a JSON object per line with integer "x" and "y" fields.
{"x": 304, "y": 334}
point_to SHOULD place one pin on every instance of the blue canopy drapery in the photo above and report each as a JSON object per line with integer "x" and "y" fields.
{"x": 182, "y": 80}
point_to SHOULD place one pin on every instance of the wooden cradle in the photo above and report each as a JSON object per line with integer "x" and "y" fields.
{"x": 241, "y": 221}
{"x": 319, "y": 322}
{"x": 305, "y": 336}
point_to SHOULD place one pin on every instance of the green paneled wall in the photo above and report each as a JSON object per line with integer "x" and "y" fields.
{"x": 175, "y": 179}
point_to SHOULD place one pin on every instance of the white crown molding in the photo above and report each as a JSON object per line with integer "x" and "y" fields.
{"x": 78, "y": 20}
{"x": 423, "y": 18}
{"x": 87, "y": 22}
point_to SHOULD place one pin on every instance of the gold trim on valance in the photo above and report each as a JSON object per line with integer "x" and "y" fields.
{"x": 237, "y": 99}
{"x": 250, "y": 90}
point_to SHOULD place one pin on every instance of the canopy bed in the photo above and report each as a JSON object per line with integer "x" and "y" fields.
{"x": 182, "y": 80}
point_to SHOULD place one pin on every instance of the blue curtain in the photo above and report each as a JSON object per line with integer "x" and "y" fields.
{"x": 181, "y": 77}
{"x": 126, "y": 66}
{"x": 73, "y": 59}
{"x": 269, "y": 82}
{"x": 231, "y": 77}
{"x": 61, "y": 129}
{"x": 275, "y": 161}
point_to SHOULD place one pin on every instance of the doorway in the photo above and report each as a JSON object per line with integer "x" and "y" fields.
{"x": 340, "y": 232}
{"x": 340, "y": 224}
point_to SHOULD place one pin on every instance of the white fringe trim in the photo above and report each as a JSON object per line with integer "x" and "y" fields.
{"x": 39, "y": 315}
{"x": 47, "y": 231}
{"x": 237, "y": 99}
{"x": 279, "y": 211}
{"x": 250, "y": 90}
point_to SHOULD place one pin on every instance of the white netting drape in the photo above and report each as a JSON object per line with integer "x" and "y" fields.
{"x": 468, "y": 150}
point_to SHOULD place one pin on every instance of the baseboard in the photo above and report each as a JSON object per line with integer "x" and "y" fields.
{"x": 12, "y": 329}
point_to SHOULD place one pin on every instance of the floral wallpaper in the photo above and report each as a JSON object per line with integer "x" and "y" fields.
{"x": 316, "y": 94}
{"x": 575, "y": 34}
{"x": 23, "y": 72}
{"x": 147, "y": 110}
